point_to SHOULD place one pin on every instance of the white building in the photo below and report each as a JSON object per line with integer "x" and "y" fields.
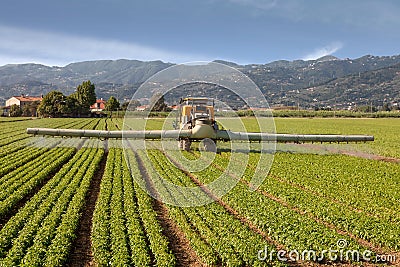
{"x": 22, "y": 100}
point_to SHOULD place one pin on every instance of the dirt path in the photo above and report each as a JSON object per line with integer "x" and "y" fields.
{"x": 179, "y": 244}
{"x": 82, "y": 254}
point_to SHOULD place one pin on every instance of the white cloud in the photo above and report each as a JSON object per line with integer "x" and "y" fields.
{"x": 22, "y": 45}
{"x": 324, "y": 51}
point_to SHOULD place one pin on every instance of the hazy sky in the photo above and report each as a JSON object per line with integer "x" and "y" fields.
{"x": 58, "y": 32}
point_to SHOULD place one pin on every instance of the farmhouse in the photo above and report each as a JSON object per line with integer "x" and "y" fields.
{"x": 21, "y": 101}
{"x": 100, "y": 105}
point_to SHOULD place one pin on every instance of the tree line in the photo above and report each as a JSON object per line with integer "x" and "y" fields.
{"x": 56, "y": 104}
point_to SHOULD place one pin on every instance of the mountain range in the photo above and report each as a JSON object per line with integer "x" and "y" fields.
{"x": 327, "y": 81}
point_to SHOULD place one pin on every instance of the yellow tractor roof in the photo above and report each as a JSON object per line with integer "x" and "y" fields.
{"x": 195, "y": 98}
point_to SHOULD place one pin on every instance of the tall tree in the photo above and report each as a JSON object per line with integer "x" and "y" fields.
{"x": 53, "y": 104}
{"x": 112, "y": 104}
{"x": 71, "y": 107}
{"x": 85, "y": 95}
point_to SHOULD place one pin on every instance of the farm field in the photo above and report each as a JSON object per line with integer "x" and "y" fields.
{"x": 83, "y": 202}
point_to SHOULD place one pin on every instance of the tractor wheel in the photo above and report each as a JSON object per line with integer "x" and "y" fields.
{"x": 184, "y": 144}
{"x": 180, "y": 144}
{"x": 209, "y": 145}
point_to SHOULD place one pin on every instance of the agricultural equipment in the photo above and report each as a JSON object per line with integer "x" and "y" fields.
{"x": 196, "y": 122}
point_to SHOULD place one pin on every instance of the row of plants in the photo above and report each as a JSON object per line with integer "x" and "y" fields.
{"x": 12, "y": 191}
{"x": 15, "y": 136}
{"x": 380, "y": 231}
{"x": 202, "y": 247}
{"x": 125, "y": 226}
{"x": 9, "y": 128}
{"x": 13, "y": 147}
{"x": 12, "y": 138}
{"x": 30, "y": 166}
{"x": 61, "y": 245}
{"x": 13, "y": 119}
{"x": 8, "y": 181}
{"x": 19, "y": 149}
{"x": 88, "y": 124}
{"x": 112, "y": 124}
{"x": 41, "y": 203}
{"x": 216, "y": 235}
{"x": 19, "y": 158}
{"x": 42, "y": 232}
{"x": 361, "y": 184}
{"x": 158, "y": 243}
{"x": 101, "y": 125}
{"x": 281, "y": 223}
{"x": 369, "y": 185}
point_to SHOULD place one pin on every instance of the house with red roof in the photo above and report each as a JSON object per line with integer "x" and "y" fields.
{"x": 21, "y": 101}
{"x": 100, "y": 105}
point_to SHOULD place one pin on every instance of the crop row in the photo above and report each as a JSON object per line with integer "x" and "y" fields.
{"x": 19, "y": 158}
{"x": 13, "y": 119}
{"x": 91, "y": 124}
{"x": 42, "y": 232}
{"x": 112, "y": 124}
{"x": 378, "y": 231}
{"x": 14, "y": 190}
{"x": 214, "y": 233}
{"x": 19, "y": 135}
{"x": 10, "y": 130}
{"x": 101, "y": 125}
{"x": 287, "y": 226}
{"x": 29, "y": 167}
{"x": 125, "y": 227}
{"x": 364, "y": 184}
{"x": 16, "y": 142}
{"x": 13, "y": 147}
{"x": 48, "y": 194}
{"x": 342, "y": 179}
{"x": 14, "y": 138}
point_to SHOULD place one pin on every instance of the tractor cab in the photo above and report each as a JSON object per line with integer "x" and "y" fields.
{"x": 194, "y": 111}
{"x": 197, "y": 114}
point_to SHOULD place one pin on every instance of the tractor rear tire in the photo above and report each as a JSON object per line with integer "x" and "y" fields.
{"x": 184, "y": 144}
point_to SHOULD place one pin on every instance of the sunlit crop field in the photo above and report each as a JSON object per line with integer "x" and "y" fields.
{"x": 77, "y": 202}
